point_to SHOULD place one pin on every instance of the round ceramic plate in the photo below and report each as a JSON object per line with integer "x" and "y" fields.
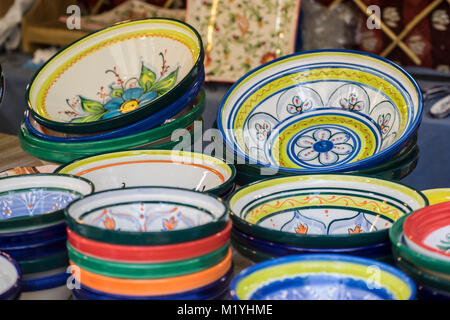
{"x": 179, "y": 169}
{"x": 175, "y": 110}
{"x": 36, "y": 199}
{"x": 322, "y": 277}
{"x": 287, "y": 87}
{"x": 10, "y": 277}
{"x": 147, "y": 216}
{"x": 428, "y": 231}
{"x": 116, "y": 76}
{"x": 322, "y": 211}
{"x": 436, "y": 196}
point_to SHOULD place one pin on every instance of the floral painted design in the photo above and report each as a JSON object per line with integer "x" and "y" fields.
{"x": 298, "y": 105}
{"x": 352, "y": 103}
{"x": 123, "y": 96}
{"x": 383, "y": 122}
{"x": 328, "y": 148}
{"x": 262, "y": 131}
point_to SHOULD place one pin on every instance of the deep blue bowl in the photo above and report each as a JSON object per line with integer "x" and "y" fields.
{"x": 213, "y": 291}
{"x": 14, "y": 291}
{"x": 31, "y": 237}
{"x": 30, "y": 252}
{"x": 45, "y": 283}
{"x": 140, "y": 126}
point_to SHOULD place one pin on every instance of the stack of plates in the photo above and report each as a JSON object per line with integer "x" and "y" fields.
{"x": 344, "y": 214}
{"x": 125, "y": 87}
{"x": 149, "y": 243}
{"x": 322, "y": 112}
{"x": 421, "y": 246}
{"x": 10, "y": 278}
{"x": 32, "y": 229}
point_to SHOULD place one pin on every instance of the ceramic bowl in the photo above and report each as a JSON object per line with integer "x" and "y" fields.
{"x": 44, "y": 264}
{"x": 32, "y": 237}
{"x": 49, "y": 285}
{"x": 275, "y": 115}
{"x": 179, "y": 169}
{"x": 322, "y": 277}
{"x": 210, "y": 291}
{"x": 147, "y": 216}
{"x": 35, "y": 251}
{"x": 251, "y": 254}
{"x": 10, "y": 277}
{"x": 322, "y": 211}
{"x": 145, "y": 124}
{"x": 436, "y": 196}
{"x": 116, "y": 76}
{"x": 154, "y": 287}
{"x": 38, "y": 198}
{"x": 428, "y": 231}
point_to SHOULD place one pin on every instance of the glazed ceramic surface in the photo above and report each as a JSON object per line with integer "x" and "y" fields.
{"x": 322, "y": 277}
{"x": 239, "y": 36}
{"x": 435, "y": 196}
{"x": 154, "y": 168}
{"x": 329, "y": 208}
{"x": 428, "y": 231}
{"x": 10, "y": 277}
{"x": 128, "y": 68}
{"x": 289, "y": 88}
{"x": 33, "y": 236}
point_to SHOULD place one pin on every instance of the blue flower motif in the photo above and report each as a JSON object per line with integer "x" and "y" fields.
{"x": 131, "y": 100}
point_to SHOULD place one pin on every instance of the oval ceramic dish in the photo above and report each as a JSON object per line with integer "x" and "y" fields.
{"x": 154, "y": 286}
{"x": 147, "y": 216}
{"x": 180, "y": 169}
{"x": 147, "y": 254}
{"x": 287, "y": 92}
{"x": 145, "y": 124}
{"x": 129, "y": 71}
{"x": 400, "y": 249}
{"x": 435, "y": 196}
{"x": 58, "y": 260}
{"x": 31, "y": 237}
{"x": 322, "y": 277}
{"x": 10, "y": 277}
{"x": 428, "y": 231}
{"x": 322, "y": 211}
{"x": 147, "y": 271}
{"x": 38, "y": 198}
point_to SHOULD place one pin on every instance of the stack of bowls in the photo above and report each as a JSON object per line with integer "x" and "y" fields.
{"x": 149, "y": 243}
{"x": 322, "y": 277}
{"x": 322, "y": 112}
{"x": 345, "y": 214}
{"x": 10, "y": 278}
{"x": 125, "y": 87}
{"x": 421, "y": 243}
{"x": 32, "y": 229}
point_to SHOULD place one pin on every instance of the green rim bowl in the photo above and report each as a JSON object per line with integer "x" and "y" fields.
{"x": 44, "y": 264}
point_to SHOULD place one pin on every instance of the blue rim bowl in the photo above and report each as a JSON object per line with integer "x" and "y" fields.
{"x": 14, "y": 290}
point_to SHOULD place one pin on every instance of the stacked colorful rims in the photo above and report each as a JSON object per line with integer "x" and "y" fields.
{"x": 32, "y": 229}
{"x": 421, "y": 246}
{"x": 345, "y": 214}
{"x": 10, "y": 278}
{"x": 189, "y": 170}
{"x": 124, "y": 87}
{"x": 321, "y": 112}
{"x": 150, "y": 243}
{"x": 322, "y": 277}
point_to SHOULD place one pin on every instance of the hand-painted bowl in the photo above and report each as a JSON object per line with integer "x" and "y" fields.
{"x": 32, "y": 237}
{"x": 322, "y": 277}
{"x": 153, "y": 287}
{"x": 418, "y": 259}
{"x": 208, "y": 292}
{"x": 150, "y": 254}
{"x": 147, "y": 216}
{"x": 322, "y": 211}
{"x": 145, "y": 124}
{"x": 436, "y": 196}
{"x": 168, "y": 168}
{"x": 10, "y": 277}
{"x": 116, "y": 76}
{"x": 36, "y": 199}
{"x": 287, "y": 92}
{"x": 428, "y": 231}
{"x": 36, "y": 251}
{"x": 44, "y": 264}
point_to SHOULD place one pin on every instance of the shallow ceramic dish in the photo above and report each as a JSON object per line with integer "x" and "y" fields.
{"x": 322, "y": 211}
{"x": 38, "y": 198}
{"x": 129, "y": 71}
{"x": 400, "y": 249}
{"x": 179, "y": 169}
{"x": 322, "y": 277}
{"x": 428, "y": 231}
{"x": 273, "y": 94}
{"x": 203, "y": 293}
{"x": 10, "y": 277}
{"x": 148, "y": 254}
{"x": 31, "y": 237}
{"x": 35, "y": 251}
{"x": 147, "y": 270}
{"x": 154, "y": 286}
{"x": 145, "y": 124}
{"x": 435, "y": 196}
{"x": 147, "y": 216}
{"x": 44, "y": 264}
